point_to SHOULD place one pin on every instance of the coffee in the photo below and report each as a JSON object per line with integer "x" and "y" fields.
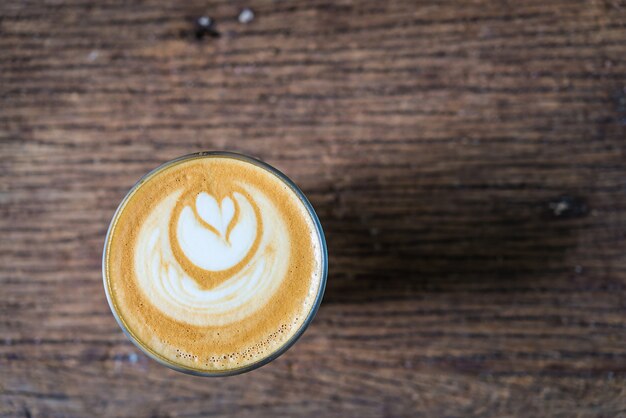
{"x": 214, "y": 263}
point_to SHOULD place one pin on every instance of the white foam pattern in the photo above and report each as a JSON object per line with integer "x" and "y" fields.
{"x": 215, "y": 237}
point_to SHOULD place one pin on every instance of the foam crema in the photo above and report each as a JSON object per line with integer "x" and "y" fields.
{"x": 213, "y": 263}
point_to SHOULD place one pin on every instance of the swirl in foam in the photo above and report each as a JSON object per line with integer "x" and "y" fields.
{"x": 213, "y": 263}
{"x": 216, "y": 237}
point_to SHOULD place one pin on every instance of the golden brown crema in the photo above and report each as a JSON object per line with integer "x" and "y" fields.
{"x": 213, "y": 263}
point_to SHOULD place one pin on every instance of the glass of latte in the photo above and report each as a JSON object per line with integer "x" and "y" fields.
{"x": 214, "y": 264}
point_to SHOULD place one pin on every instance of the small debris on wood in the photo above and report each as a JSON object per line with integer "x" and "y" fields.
{"x": 93, "y": 55}
{"x": 205, "y": 22}
{"x": 246, "y": 16}
{"x": 205, "y": 26}
{"x": 568, "y": 207}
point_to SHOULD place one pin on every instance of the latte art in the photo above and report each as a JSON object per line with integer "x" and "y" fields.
{"x": 212, "y": 238}
{"x": 214, "y": 263}
{"x": 205, "y": 235}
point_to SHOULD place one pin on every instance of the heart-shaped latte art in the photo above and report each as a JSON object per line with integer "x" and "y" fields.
{"x": 239, "y": 241}
{"x": 218, "y": 215}
{"x": 221, "y": 251}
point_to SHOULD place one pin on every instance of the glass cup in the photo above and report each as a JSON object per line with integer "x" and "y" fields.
{"x": 314, "y": 307}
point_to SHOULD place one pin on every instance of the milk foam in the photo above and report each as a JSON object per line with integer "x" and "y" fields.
{"x": 203, "y": 238}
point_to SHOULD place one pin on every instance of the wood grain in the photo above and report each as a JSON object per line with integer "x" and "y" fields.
{"x": 466, "y": 158}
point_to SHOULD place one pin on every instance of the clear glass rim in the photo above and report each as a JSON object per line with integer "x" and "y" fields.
{"x": 314, "y": 308}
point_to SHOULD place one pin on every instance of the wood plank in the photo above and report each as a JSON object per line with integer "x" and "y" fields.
{"x": 466, "y": 159}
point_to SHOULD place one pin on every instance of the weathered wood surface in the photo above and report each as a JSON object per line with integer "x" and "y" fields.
{"x": 466, "y": 158}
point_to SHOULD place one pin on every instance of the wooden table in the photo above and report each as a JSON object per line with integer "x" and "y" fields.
{"x": 467, "y": 160}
